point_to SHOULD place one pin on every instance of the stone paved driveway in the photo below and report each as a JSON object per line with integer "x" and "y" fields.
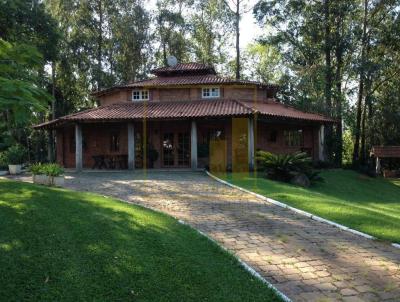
{"x": 305, "y": 259}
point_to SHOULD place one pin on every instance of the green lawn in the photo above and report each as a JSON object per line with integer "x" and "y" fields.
{"x": 60, "y": 245}
{"x": 370, "y": 205}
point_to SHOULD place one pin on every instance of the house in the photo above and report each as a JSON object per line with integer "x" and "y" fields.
{"x": 186, "y": 116}
{"x": 387, "y": 160}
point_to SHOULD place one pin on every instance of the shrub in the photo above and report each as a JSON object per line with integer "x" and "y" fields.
{"x": 36, "y": 169}
{"x": 284, "y": 167}
{"x": 3, "y": 160}
{"x": 53, "y": 170}
{"x": 16, "y": 155}
{"x": 46, "y": 169}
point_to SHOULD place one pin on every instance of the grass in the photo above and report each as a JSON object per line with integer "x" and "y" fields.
{"x": 60, "y": 245}
{"x": 370, "y": 205}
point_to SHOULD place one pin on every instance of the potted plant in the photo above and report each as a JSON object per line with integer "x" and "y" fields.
{"x": 55, "y": 173}
{"x": 47, "y": 174}
{"x": 16, "y": 156}
{"x": 38, "y": 174}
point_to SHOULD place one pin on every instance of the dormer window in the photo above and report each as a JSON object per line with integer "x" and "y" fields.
{"x": 140, "y": 95}
{"x": 210, "y": 92}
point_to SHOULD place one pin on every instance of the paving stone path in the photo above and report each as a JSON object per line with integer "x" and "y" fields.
{"x": 305, "y": 259}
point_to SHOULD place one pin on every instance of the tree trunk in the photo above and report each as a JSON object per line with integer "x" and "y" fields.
{"x": 100, "y": 46}
{"x": 339, "y": 95}
{"x": 356, "y": 152}
{"x": 237, "y": 15}
{"x": 328, "y": 79}
{"x": 51, "y": 138}
{"x": 365, "y": 117}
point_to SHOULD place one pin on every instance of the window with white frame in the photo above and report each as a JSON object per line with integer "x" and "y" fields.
{"x": 210, "y": 92}
{"x": 140, "y": 95}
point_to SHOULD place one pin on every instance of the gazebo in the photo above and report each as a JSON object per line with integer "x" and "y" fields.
{"x": 389, "y": 156}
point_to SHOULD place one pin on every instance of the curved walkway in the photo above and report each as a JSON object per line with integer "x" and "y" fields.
{"x": 307, "y": 260}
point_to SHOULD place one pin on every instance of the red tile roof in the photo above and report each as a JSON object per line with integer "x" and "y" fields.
{"x": 386, "y": 151}
{"x": 186, "y": 109}
{"x": 192, "y": 80}
{"x": 156, "y": 110}
{"x": 276, "y": 109}
{"x": 184, "y": 67}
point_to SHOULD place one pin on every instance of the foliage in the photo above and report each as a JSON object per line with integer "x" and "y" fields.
{"x": 283, "y": 166}
{"x": 83, "y": 246}
{"x": 369, "y": 205}
{"x": 49, "y": 169}
{"x": 19, "y": 94}
{"x": 263, "y": 62}
{"x": 16, "y": 155}
{"x": 52, "y": 169}
{"x": 36, "y": 169}
{"x": 347, "y": 147}
{"x": 3, "y": 160}
{"x": 334, "y": 52}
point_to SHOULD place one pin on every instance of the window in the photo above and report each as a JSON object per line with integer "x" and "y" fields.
{"x": 273, "y": 136}
{"x": 183, "y": 149}
{"x": 114, "y": 142}
{"x": 210, "y": 92}
{"x": 293, "y": 138}
{"x": 140, "y": 95}
{"x": 168, "y": 149}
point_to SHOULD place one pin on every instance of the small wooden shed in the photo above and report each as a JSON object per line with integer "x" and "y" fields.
{"x": 386, "y": 153}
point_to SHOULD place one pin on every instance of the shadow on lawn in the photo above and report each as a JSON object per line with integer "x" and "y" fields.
{"x": 62, "y": 245}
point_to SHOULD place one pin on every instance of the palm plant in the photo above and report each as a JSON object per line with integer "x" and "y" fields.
{"x": 283, "y": 167}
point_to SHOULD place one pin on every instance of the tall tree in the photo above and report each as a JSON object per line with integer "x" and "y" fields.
{"x": 171, "y": 30}
{"x": 316, "y": 50}
{"x": 238, "y": 8}
{"x": 210, "y": 25}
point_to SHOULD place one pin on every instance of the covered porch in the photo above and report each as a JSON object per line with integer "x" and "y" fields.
{"x": 218, "y": 135}
{"x": 166, "y": 144}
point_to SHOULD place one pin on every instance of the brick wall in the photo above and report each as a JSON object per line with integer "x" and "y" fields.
{"x": 184, "y": 94}
{"x": 263, "y": 141}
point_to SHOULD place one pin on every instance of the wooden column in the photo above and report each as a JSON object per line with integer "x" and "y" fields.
{"x": 78, "y": 147}
{"x": 193, "y": 145}
{"x": 131, "y": 146}
{"x": 321, "y": 143}
{"x": 250, "y": 136}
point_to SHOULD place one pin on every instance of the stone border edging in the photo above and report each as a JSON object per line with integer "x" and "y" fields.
{"x": 247, "y": 267}
{"x": 301, "y": 212}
